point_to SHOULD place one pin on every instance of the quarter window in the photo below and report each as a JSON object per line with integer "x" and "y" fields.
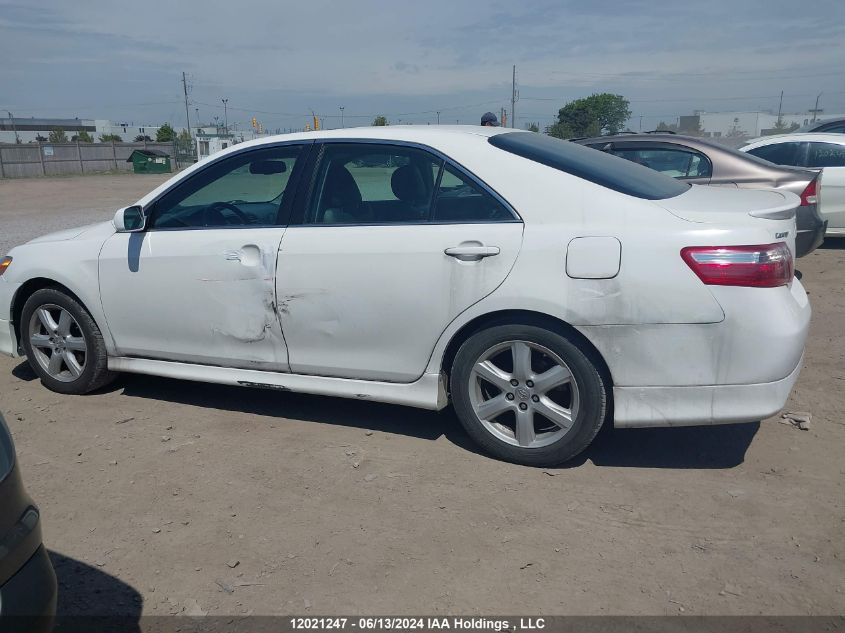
{"x": 778, "y": 153}
{"x": 247, "y": 189}
{"x": 461, "y": 200}
{"x": 826, "y": 155}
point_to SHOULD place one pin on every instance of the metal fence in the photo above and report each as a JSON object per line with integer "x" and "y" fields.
{"x": 59, "y": 159}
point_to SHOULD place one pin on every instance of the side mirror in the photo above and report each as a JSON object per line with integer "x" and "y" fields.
{"x": 129, "y": 220}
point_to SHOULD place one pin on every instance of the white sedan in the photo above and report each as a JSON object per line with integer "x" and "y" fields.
{"x": 545, "y": 288}
{"x": 815, "y": 150}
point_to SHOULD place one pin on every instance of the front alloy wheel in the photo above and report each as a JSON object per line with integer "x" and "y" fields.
{"x": 62, "y": 342}
{"x": 58, "y": 344}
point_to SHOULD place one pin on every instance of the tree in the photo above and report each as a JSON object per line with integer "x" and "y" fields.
{"x": 781, "y": 127}
{"x": 57, "y": 135}
{"x": 82, "y": 137}
{"x": 666, "y": 127}
{"x": 533, "y": 127}
{"x": 591, "y": 116}
{"x": 380, "y": 120}
{"x": 185, "y": 143}
{"x": 143, "y": 137}
{"x": 110, "y": 138}
{"x": 165, "y": 134}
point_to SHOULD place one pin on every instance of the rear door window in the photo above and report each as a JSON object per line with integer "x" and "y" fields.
{"x": 359, "y": 183}
{"x": 826, "y": 155}
{"x": 779, "y": 153}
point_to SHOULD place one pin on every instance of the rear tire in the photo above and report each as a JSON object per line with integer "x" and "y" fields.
{"x": 528, "y": 395}
{"x": 63, "y": 344}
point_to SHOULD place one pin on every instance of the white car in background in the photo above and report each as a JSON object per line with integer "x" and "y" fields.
{"x": 814, "y": 150}
{"x": 545, "y": 287}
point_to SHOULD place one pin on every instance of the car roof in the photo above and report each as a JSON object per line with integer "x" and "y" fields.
{"x": 819, "y": 137}
{"x": 408, "y": 133}
{"x": 652, "y": 137}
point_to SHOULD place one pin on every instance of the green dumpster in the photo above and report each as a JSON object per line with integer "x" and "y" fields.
{"x": 149, "y": 161}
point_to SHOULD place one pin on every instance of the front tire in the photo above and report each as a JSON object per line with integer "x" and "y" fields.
{"x": 528, "y": 395}
{"x": 63, "y": 344}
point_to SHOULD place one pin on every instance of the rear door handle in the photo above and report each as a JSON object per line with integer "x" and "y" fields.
{"x": 472, "y": 253}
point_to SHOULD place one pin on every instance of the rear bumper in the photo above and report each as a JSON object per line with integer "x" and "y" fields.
{"x": 808, "y": 240}
{"x": 703, "y": 404}
{"x": 28, "y": 599}
{"x": 8, "y": 342}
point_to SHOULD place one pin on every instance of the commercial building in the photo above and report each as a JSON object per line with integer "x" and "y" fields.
{"x": 756, "y": 123}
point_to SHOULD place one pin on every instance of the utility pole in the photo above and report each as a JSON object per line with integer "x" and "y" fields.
{"x": 641, "y": 123}
{"x": 514, "y": 98}
{"x": 341, "y": 116}
{"x": 225, "y": 116}
{"x": 438, "y": 117}
{"x": 12, "y": 121}
{"x": 185, "y": 90}
{"x": 197, "y": 110}
{"x": 815, "y": 110}
{"x": 780, "y": 108}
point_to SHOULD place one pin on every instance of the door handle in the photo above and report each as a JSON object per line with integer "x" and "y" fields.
{"x": 472, "y": 253}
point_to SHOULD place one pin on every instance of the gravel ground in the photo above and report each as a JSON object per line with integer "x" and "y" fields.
{"x": 163, "y": 497}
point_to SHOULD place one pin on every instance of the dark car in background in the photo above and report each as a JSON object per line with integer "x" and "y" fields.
{"x": 699, "y": 161}
{"x": 27, "y": 579}
{"x": 831, "y": 126}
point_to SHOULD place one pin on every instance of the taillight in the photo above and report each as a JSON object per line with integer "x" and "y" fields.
{"x": 4, "y": 264}
{"x": 765, "y": 266}
{"x": 809, "y": 196}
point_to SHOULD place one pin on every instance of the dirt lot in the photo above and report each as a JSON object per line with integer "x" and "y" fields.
{"x": 164, "y": 497}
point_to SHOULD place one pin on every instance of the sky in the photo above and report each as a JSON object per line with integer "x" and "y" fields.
{"x": 279, "y": 60}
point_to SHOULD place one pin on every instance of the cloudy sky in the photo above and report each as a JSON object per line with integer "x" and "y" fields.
{"x": 278, "y": 60}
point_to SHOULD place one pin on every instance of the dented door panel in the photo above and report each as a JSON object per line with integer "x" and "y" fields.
{"x": 370, "y": 302}
{"x": 213, "y": 292}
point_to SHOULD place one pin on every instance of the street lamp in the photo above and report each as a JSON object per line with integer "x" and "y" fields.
{"x": 225, "y": 116}
{"x": 341, "y": 116}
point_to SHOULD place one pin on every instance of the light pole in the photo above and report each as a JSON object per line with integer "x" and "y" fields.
{"x": 225, "y": 116}
{"x": 341, "y": 116}
{"x": 438, "y": 117}
{"x": 12, "y": 121}
{"x": 197, "y": 110}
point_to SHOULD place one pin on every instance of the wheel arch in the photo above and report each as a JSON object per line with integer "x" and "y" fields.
{"x": 524, "y": 317}
{"x": 30, "y": 287}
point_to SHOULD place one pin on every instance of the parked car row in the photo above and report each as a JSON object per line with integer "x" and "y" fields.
{"x": 703, "y": 162}
{"x": 811, "y": 165}
{"x": 822, "y": 151}
{"x": 542, "y": 287}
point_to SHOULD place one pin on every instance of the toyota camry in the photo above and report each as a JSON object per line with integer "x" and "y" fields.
{"x": 543, "y": 288}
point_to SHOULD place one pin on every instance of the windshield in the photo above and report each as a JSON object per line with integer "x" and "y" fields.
{"x": 596, "y": 166}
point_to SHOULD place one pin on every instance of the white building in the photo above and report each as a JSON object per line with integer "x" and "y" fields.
{"x": 719, "y": 124}
{"x": 211, "y": 139}
{"x": 28, "y": 130}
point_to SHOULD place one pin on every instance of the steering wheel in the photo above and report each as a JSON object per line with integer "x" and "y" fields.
{"x": 217, "y": 210}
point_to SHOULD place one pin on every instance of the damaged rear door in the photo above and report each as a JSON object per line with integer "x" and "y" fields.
{"x": 393, "y": 243}
{"x": 197, "y": 285}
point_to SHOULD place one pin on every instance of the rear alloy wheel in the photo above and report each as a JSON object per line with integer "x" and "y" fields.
{"x": 63, "y": 344}
{"x": 528, "y": 395}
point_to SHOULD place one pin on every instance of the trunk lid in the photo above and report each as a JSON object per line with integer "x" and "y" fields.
{"x": 775, "y": 210}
